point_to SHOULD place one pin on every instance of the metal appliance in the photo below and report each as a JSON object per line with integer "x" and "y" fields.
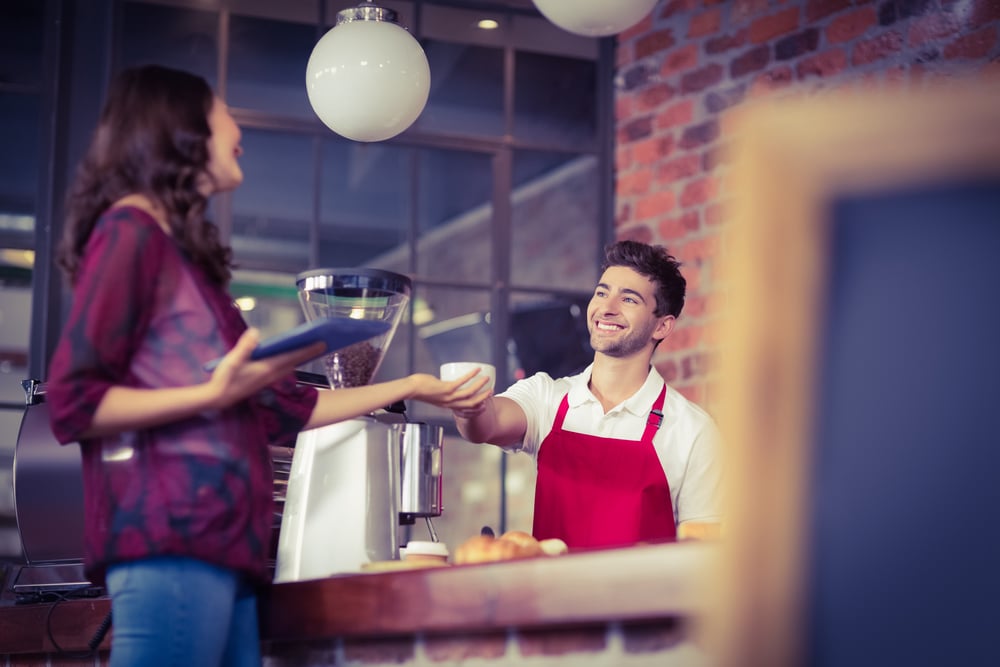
{"x": 352, "y": 484}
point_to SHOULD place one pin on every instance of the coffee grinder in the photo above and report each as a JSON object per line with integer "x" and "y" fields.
{"x": 352, "y": 484}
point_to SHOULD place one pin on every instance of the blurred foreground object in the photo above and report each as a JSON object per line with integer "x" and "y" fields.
{"x": 860, "y": 381}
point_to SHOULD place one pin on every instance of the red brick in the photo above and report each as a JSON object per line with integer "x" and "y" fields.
{"x": 635, "y": 129}
{"x": 700, "y": 79}
{"x": 744, "y": 9}
{"x": 699, "y": 135}
{"x": 679, "y": 60}
{"x": 680, "y": 226}
{"x": 775, "y": 25}
{"x": 654, "y": 42}
{"x": 681, "y": 113}
{"x": 640, "y": 233}
{"x": 753, "y": 60}
{"x": 705, "y": 23}
{"x": 561, "y": 642}
{"x": 975, "y": 46}
{"x": 932, "y": 27}
{"x": 623, "y": 157}
{"x": 677, "y": 7}
{"x": 694, "y": 306}
{"x": 823, "y": 65}
{"x": 654, "y": 96}
{"x": 655, "y": 204}
{"x": 640, "y": 28}
{"x": 725, "y": 43}
{"x": 851, "y": 25}
{"x": 634, "y": 183}
{"x": 678, "y": 169}
{"x": 876, "y": 48}
{"x": 455, "y": 650}
{"x": 715, "y": 214}
{"x": 623, "y": 107}
{"x": 817, "y": 9}
{"x": 652, "y": 150}
{"x": 700, "y": 191}
{"x": 667, "y": 369}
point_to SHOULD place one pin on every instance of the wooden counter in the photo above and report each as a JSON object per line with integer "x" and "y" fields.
{"x": 639, "y": 584}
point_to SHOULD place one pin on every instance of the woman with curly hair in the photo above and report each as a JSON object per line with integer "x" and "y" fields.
{"x": 178, "y": 486}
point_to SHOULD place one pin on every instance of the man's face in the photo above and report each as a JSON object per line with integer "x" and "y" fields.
{"x": 620, "y": 317}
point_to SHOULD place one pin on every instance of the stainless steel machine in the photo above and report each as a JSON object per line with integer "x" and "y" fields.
{"x": 352, "y": 484}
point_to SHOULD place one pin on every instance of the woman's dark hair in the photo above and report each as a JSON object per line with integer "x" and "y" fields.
{"x": 655, "y": 263}
{"x": 152, "y": 139}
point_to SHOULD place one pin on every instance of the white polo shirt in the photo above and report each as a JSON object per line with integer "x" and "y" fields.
{"x": 687, "y": 443}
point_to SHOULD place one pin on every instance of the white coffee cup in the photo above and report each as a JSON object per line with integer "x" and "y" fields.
{"x": 457, "y": 369}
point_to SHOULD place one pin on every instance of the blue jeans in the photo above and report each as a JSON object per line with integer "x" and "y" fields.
{"x": 180, "y": 612}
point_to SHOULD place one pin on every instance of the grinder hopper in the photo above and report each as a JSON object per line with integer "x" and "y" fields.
{"x": 367, "y": 294}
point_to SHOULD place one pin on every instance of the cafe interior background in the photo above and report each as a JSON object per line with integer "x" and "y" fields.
{"x": 536, "y": 147}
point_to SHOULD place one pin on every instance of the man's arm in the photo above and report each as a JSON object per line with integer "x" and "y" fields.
{"x": 498, "y": 421}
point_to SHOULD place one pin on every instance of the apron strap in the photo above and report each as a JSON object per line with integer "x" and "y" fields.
{"x": 655, "y": 418}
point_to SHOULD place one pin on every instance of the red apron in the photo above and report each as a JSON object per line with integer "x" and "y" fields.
{"x": 602, "y": 492}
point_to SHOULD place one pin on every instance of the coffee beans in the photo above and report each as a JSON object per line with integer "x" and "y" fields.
{"x": 353, "y": 366}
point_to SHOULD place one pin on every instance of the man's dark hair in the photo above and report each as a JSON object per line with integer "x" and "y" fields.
{"x": 655, "y": 263}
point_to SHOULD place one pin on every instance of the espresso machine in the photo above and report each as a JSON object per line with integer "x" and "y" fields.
{"x": 352, "y": 484}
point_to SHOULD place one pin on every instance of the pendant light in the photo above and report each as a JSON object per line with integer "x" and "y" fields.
{"x": 367, "y": 77}
{"x": 595, "y": 18}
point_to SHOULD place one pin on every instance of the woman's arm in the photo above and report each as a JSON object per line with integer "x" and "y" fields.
{"x": 349, "y": 402}
{"x": 235, "y": 378}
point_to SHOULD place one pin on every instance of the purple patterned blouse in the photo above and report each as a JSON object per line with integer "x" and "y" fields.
{"x": 144, "y": 316}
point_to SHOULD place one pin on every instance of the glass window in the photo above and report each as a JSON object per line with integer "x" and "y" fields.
{"x": 555, "y": 222}
{"x": 183, "y": 38}
{"x": 555, "y": 100}
{"x": 455, "y": 215}
{"x": 19, "y": 162}
{"x": 272, "y": 210}
{"x": 466, "y": 95}
{"x": 364, "y": 204}
{"x": 267, "y": 65}
{"x": 21, "y": 40}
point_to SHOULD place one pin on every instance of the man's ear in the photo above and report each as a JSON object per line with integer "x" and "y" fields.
{"x": 664, "y": 327}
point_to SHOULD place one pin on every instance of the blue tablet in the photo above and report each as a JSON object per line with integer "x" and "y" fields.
{"x": 336, "y": 332}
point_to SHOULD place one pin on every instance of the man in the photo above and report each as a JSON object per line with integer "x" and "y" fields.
{"x": 622, "y": 457}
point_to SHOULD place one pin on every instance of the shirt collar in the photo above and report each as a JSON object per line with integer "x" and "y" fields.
{"x": 638, "y": 404}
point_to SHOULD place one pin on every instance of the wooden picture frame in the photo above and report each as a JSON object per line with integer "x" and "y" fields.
{"x": 793, "y": 161}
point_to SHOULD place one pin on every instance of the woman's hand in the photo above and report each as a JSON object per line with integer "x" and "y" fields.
{"x": 237, "y": 376}
{"x": 464, "y": 393}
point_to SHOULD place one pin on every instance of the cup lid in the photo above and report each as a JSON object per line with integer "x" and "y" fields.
{"x": 427, "y": 549}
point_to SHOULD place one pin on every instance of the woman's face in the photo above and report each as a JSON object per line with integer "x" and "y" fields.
{"x": 223, "y": 150}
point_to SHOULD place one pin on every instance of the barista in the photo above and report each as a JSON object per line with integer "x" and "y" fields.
{"x": 622, "y": 457}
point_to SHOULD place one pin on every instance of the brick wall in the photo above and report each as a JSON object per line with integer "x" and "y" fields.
{"x": 687, "y": 65}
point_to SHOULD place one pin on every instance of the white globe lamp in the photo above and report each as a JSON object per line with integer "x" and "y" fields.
{"x": 367, "y": 77}
{"x": 595, "y": 18}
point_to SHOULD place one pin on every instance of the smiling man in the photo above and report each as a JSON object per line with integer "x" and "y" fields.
{"x": 622, "y": 457}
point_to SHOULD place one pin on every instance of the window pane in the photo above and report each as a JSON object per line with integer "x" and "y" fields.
{"x": 15, "y": 322}
{"x": 554, "y": 237}
{"x": 455, "y": 215}
{"x": 19, "y": 161}
{"x": 181, "y": 38}
{"x": 555, "y": 100}
{"x": 466, "y": 94}
{"x": 267, "y": 65}
{"x": 364, "y": 205}
{"x": 272, "y": 210}
{"x": 21, "y": 40}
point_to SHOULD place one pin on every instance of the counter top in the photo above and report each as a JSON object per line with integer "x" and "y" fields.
{"x": 634, "y": 584}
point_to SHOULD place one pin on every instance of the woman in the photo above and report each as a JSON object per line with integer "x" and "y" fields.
{"x": 176, "y": 461}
